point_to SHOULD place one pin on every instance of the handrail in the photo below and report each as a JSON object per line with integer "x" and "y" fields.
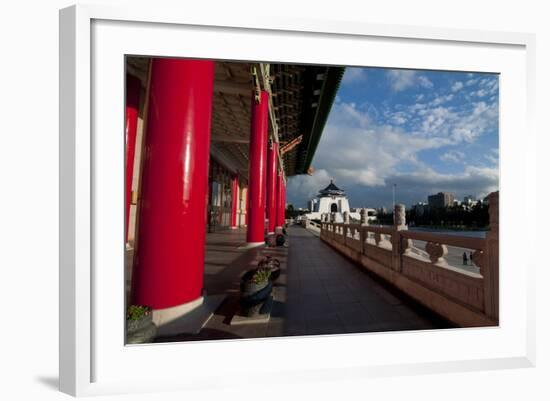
{"x": 453, "y": 240}
{"x": 378, "y": 229}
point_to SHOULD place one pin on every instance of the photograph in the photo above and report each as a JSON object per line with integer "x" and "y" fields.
{"x": 265, "y": 199}
{"x": 278, "y": 201}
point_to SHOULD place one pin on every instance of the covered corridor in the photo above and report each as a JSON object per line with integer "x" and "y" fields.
{"x": 319, "y": 292}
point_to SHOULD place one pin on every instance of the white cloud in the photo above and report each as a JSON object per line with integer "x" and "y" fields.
{"x": 401, "y": 79}
{"x": 360, "y": 153}
{"x": 487, "y": 87}
{"x": 306, "y": 187}
{"x": 457, "y": 86}
{"x": 424, "y": 82}
{"x": 492, "y": 157}
{"x": 357, "y": 149}
{"x": 442, "y": 99}
{"x": 436, "y": 121}
{"x": 353, "y": 75}
{"x": 451, "y": 124}
{"x": 366, "y": 148}
{"x": 404, "y": 79}
{"x": 454, "y": 156}
{"x": 399, "y": 118}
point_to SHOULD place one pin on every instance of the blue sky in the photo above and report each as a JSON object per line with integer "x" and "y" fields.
{"x": 425, "y": 131}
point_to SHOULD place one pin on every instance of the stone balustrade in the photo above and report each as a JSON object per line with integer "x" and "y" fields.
{"x": 312, "y": 226}
{"x": 465, "y": 297}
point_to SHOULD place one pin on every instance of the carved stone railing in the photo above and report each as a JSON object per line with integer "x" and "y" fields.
{"x": 312, "y": 226}
{"x": 467, "y": 297}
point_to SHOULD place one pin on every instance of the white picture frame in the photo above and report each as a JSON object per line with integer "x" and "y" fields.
{"x": 96, "y": 361}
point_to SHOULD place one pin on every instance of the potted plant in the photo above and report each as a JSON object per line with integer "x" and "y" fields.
{"x": 273, "y": 265}
{"x": 280, "y": 240}
{"x": 139, "y": 325}
{"x": 256, "y": 289}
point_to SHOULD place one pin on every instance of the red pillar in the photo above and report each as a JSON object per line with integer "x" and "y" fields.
{"x": 133, "y": 89}
{"x": 281, "y": 200}
{"x": 271, "y": 210}
{"x": 257, "y": 170}
{"x": 169, "y": 260}
{"x": 234, "y": 201}
{"x": 283, "y": 205}
{"x": 245, "y": 200}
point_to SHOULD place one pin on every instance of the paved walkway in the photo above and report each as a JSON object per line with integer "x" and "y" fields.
{"x": 318, "y": 292}
{"x": 327, "y": 293}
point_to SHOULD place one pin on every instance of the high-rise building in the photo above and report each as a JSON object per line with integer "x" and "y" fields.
{"x": 441, "y": 200}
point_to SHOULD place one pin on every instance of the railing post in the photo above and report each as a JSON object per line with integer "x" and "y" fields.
{"x": 364, "y": 217}
{"x": 362, "y": 238}
{"x": 362, "y": 232}
{"x": 490, "y": 272}
{"x": 399, "y": 224}
{"x": 344, "y": 233}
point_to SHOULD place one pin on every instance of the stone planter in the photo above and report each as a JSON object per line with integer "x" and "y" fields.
{"x": 141, "y": 330}
{"x": 254, "y": 295}
{"x": 280, "y": 240}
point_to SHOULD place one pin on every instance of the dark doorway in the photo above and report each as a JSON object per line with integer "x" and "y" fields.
{"x": 334, "y": 208}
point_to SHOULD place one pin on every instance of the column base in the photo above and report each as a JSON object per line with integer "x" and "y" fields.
{"x": 186, "y": 318}
{"x": 249, "y": 245}
{"x": 164, "y": 316}
{"x": 233, "y": 227}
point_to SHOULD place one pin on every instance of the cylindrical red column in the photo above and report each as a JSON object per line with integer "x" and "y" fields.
{"x": 169, "y": 260}
{"x": 272, "y": 161}
{"x": 281, "y": 200}
{"x": 245, "y": 201}
{"x": 283, "y": 203}
{"x": 257, "y": 170}
{"x": 133, "y": 89}
{"x": 234, "y": 201}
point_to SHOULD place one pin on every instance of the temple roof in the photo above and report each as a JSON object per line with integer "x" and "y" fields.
{"x": 331, "y": 190}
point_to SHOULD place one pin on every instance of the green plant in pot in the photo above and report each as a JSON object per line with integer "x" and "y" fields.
{"x": 256, "y": 289}
{"x": 260, "y": 276}
{"x": 273, "y": 265}
{"x": 139, "y": 325}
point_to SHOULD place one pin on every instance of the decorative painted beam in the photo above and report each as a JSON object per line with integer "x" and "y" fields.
{"x": 291, "y": 145}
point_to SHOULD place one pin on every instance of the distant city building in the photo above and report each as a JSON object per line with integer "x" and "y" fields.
{"x": 420, "y": 208}
{"x": 441, "y": 200}
{"x": 469, "y": 200}
{"x": 382, "y": 210}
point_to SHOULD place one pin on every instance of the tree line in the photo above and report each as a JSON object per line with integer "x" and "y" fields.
{"x": 454, "y": 217}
